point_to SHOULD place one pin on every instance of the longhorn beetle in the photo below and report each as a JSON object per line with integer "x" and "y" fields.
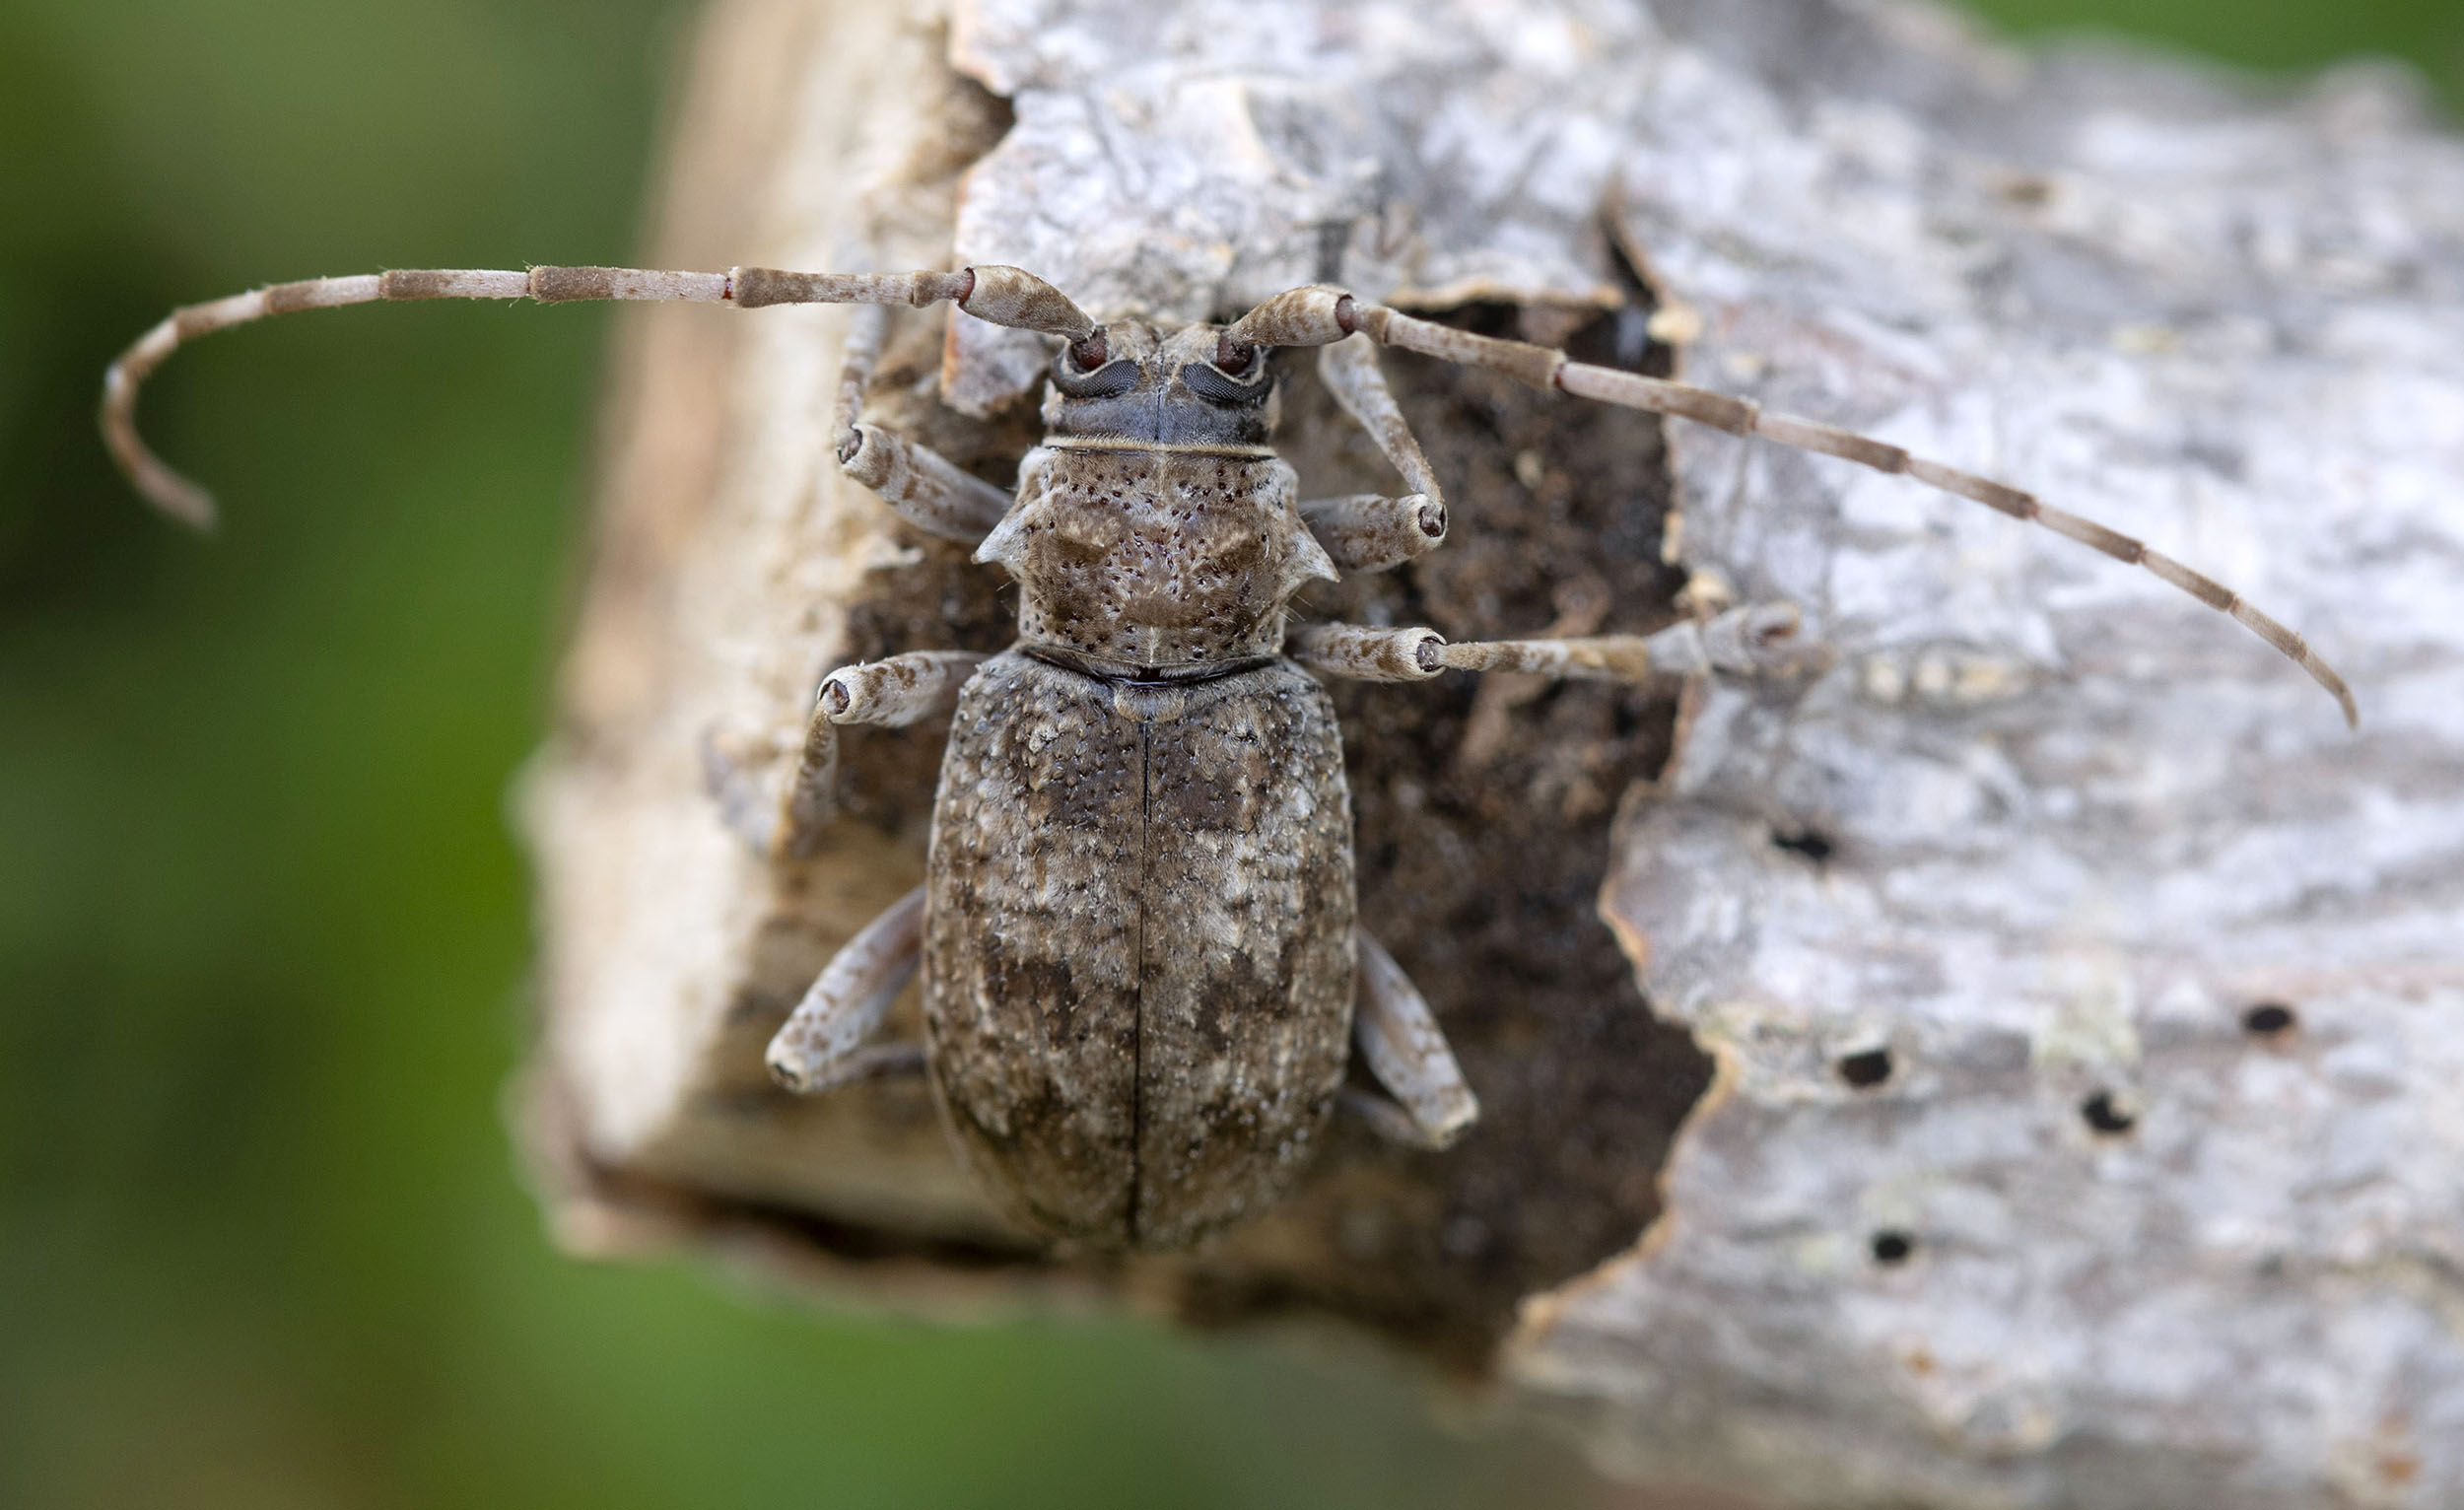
{"x": 1142, "y": 974}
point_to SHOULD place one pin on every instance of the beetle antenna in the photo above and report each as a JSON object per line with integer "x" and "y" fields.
{"x": 1545, "y": 367}
{"x": 1003, "y": 296}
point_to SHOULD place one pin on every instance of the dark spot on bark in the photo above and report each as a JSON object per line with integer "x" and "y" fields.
{"x": 1813, "y": 845}
{"x": 1867, "y": 1068}
{"x": 1892, "y": 1247}
{"x": 2099, "y": 1113}
{"x": 2270, "y": 1019}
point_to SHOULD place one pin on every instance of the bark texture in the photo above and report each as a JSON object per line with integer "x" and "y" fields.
{"x": 2078, "y": 1002}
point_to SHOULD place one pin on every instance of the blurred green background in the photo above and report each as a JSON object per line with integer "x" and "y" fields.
{"x": 262, "y": 929}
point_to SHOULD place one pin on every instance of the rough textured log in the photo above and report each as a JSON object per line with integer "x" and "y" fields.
{"x": 2049, "y": 1093}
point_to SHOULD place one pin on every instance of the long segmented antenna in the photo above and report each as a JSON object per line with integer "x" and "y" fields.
{"x": 1316, "y": 315}
{"x": 1003, "y": 296}
{"x": 1320, "y": 316}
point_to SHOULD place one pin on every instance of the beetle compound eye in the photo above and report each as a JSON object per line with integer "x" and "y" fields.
{"x": 1212, "y": 383}
{"x": 1233, "y": 357}
{"x": 1087, "y": 369}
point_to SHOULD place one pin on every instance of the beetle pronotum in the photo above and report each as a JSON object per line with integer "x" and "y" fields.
{"x": 1137, "y": 929}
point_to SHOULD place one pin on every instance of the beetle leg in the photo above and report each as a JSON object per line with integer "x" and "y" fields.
{"x": 1384, "y": 1115}
{"x": 821, "y": 1044}
{"x": 1369, "y": 655}
{"x": 927, "y": 489}
{"x": 1367, "y": 533}
{"x": 902, "y": 690}
{"x": 1404, "y": 1050}
{"x": 1758, "y": 640}
{"x": 1349, "y": 368}
{"x": 894, "y": 693}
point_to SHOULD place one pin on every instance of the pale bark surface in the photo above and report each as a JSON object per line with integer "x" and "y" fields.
{"x": 2051, "y": 828}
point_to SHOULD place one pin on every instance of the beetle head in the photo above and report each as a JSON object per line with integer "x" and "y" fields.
{"x": 1132, "y": 381}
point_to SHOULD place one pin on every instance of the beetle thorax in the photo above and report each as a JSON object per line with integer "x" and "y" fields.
{"x": 1154, "y": 530}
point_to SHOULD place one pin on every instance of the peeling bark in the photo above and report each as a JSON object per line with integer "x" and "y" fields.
{"x": 2001, "y": 1193}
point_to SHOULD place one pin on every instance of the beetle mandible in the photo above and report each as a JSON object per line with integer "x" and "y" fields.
{"x": 1144, "y": 979}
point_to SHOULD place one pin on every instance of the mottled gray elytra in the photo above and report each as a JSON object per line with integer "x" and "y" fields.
{"x": 1144, "y": 980}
